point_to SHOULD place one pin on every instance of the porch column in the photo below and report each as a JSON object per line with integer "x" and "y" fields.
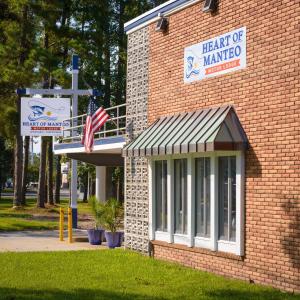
{"x": 101, "y": 183}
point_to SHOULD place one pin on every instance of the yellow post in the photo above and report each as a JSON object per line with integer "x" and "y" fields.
{"x": 61, "y": 224}
{"x": 70, "y": 224}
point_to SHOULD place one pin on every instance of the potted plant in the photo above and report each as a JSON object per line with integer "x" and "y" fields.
{"x": 95, "y": 235}
{"x": 111, "y": 215}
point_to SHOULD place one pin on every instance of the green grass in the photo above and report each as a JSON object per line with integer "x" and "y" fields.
{"x": 116, "y": 274}
{"x": 32, "y": 218}
{"x": 15, "y": 224}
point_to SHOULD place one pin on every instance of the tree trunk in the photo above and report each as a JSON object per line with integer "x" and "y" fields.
{"x": 42, "y": 175}
{"x": 18, "y": 155}
{"x": 18, "y": 150}
{"x": 25, "y": 168}
{"x": 85, "y": 188}
{"x": 107, "y": 75}
{"x": 50, "y": 172}
{"x": 58, "y": 180}
{"x": 1, "y": 183}
{"x": 120, "y": 86}
{"x": 46, "y": 179}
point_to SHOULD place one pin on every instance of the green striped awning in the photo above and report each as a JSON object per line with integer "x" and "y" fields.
{"x": 199, "y": 131}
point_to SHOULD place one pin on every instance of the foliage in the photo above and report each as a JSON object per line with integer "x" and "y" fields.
{"x": 108, "y": 214}
{"x": 6, "y": 157}
{"x": 94, "y": 203}
{"x": 37, "y": 39}
{"x": 33, "y": 169}
{"x": 84, "y": 170}
{"x": 118, "y": 274}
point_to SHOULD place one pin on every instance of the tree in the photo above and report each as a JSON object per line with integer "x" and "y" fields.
{"x": 36, "y": 42}
{"x": 5, "y": 163}
{"x": 25, "y": 169}
{"x": 17, "y": 31}
{"x": 84, "y": 172}
{"x": 50, "y": 172}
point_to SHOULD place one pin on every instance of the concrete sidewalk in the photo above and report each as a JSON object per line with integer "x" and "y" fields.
{"x": 27, "y": 241}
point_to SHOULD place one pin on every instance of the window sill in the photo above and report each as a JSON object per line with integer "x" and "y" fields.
{"x": 198, "y": 250}
{"x": 202, "y": 242}
{"x": 181, "y": 239}
{"x": 227, "y": 246}
{"x": 162, "y": 236}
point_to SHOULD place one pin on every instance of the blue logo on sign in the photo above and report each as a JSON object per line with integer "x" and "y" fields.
{"x": 192, "y": 67}
{"x": 40, "y": 111}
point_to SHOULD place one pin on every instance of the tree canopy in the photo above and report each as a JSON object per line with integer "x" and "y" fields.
{"x": 37, "y": 40}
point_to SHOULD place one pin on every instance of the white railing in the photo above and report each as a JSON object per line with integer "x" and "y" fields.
{"x": 115, "y": 125}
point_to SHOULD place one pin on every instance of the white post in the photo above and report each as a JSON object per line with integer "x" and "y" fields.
{"x": 151, "y": 171}
{"x": 190, "y": 201}
{"x": 74, "y": 162}
{"x": 101, "y": 183}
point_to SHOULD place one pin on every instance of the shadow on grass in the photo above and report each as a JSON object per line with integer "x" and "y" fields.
{"x": 93, "y": 294}
{"x": 15, "y": 215}
{"x": 77, "y": 294}
{"x": 227, "y": 294}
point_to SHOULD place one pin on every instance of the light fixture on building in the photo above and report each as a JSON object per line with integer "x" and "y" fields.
{"x": 210, "y": 5}
{"x": 162, "y": 24}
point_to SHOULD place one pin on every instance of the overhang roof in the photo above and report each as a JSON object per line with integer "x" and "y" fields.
{"x": 99, "y": 159}
{"x": 199, "y": 131}
{"x": 152, "y": 15}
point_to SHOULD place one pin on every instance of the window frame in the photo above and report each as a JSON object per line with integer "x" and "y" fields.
{"x": 190, "y": 239}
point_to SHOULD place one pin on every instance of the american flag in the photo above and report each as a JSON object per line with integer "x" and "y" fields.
{"x": 95, "y": 119}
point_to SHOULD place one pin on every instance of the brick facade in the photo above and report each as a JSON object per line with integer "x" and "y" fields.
{"x": 266, "y": 96}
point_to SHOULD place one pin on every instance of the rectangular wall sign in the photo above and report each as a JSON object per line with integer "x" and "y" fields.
{"x": 220, "y": 55}
{"x": 44, "y": 116}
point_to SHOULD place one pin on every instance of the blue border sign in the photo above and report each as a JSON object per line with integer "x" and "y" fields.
{"x": 220, "y": 55}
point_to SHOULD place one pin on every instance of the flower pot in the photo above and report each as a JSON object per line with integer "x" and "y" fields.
{"x": 95, "y": 236}
{"x": 121, "y": 237}
{"x": 112, "y": 239}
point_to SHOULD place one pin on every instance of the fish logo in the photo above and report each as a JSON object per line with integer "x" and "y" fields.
{"x": 192, "y": 66}
{"x": 42, "y": 112}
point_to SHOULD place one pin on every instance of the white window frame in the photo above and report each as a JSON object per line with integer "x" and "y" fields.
{"x": 190, "y": 240}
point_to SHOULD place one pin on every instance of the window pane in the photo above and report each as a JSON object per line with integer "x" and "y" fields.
{"x": 227, "y": 198}
{"x": 180, "y": 195}
{"x": 233, "y": 198}
{"x": 202, "y": 185}
{"x": 161, "y": 195}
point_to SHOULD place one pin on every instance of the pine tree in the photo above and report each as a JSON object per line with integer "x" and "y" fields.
{"x": 17, "y": 31}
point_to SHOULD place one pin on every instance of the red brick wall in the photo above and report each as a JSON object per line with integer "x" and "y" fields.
{"x": 266, "y": 98}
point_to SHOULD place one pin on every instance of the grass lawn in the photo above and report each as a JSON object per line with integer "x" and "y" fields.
{"x": 116, "y": 274}
{"x": 32, "y": 218}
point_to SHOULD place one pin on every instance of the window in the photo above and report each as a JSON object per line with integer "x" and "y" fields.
{"x": 161, "y": 195}
{"x": 197, "y": 201}
{"x": 180, "y": 195}
{"x": 227, "y": 198}
{"x": 202, "y": 196}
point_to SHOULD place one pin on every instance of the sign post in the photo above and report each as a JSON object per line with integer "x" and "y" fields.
{"x": 74, "y": 92}
{"x": 75, "y": 72}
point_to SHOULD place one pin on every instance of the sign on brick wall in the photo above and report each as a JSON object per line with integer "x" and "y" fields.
{"x": 220, "y": 55}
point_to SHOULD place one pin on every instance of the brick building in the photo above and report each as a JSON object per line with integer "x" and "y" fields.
{"x": 212, "y": 169}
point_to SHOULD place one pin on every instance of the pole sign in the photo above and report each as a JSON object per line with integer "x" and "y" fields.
{"x": 44, "y": 116}
{"x": 220, "y": 55}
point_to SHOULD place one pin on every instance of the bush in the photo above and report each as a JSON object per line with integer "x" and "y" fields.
{"x": 108, "y": 215}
